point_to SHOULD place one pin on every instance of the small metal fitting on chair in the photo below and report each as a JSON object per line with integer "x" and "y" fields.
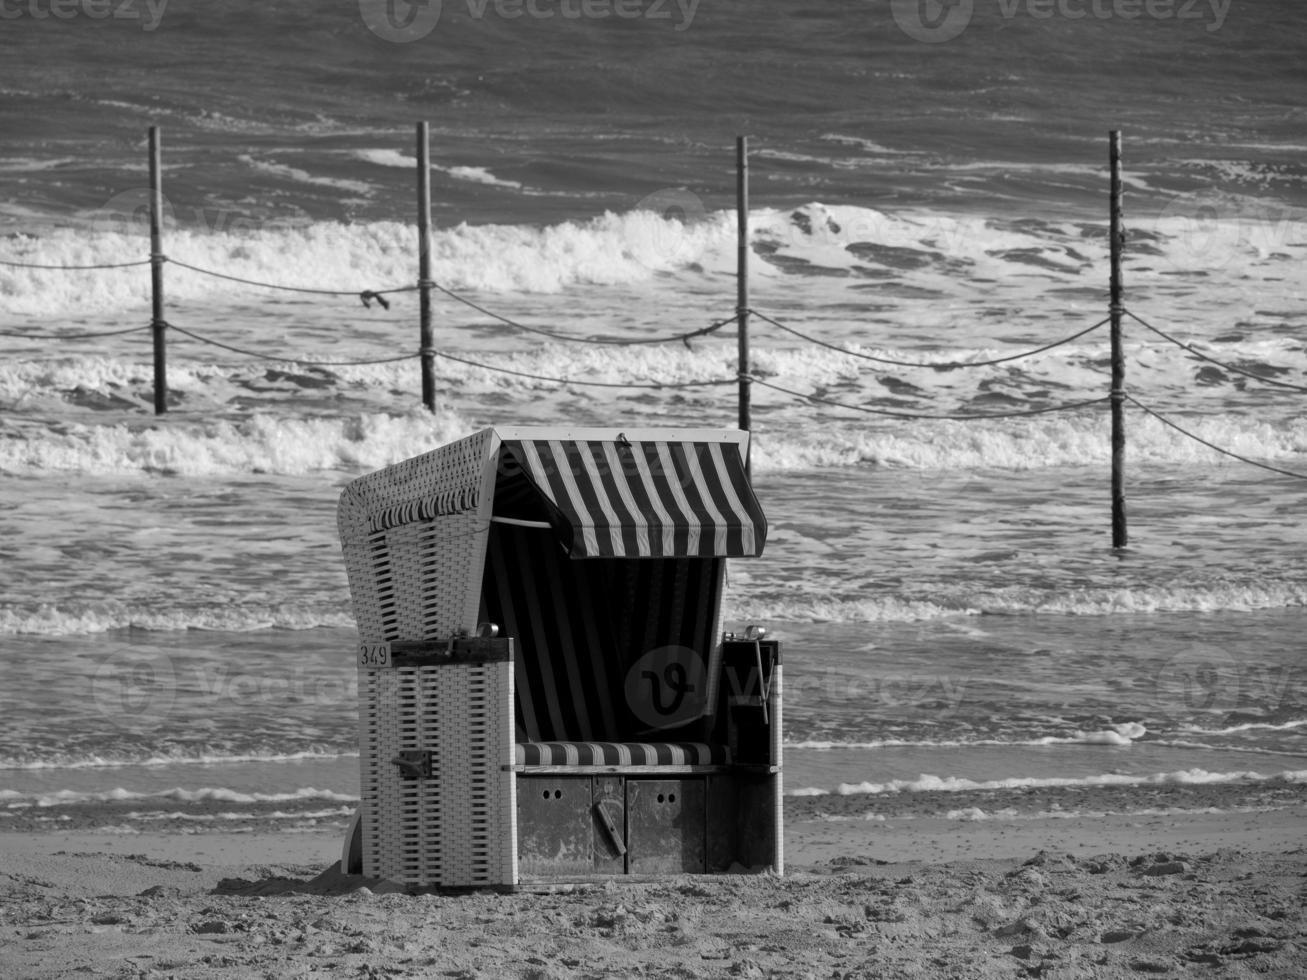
{"x": 413, "y": 764}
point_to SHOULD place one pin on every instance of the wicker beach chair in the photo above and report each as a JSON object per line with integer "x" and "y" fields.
{"x": 600, "y": 726}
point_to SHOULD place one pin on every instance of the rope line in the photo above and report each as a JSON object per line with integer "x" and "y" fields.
{"x": 1070, "y": 406}
{"x": 553, "y": 335}
{"x": 937, "y": 365}
{"x": 363, "y": 294}
{"x": 286, "y": 360}
{"x": 74, "y": 268}
{"x": 1199, "y": 354}
{"x": 589, "y": 384}
{"x": 71, "y": 336}
{"x": 1199, "y": 439}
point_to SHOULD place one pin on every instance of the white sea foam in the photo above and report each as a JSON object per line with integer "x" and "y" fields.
{"x": 67, "y": 797}
{"x": 978, "y": 814}
{"x": 181, "y": 758}
{"x": 302, "y": 176}
{"x": 954, "y": 259}
{"x": 1248, "y": 726}
{"x": 950, "y": 784}
{"x": 232, "y": 816}
{"x": 1120, "y": 735}
{"x": 267, "y": 443}
{"x": 73, "y": 618}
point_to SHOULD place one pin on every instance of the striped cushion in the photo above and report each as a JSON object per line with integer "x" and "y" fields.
{"x": 621, "y": 754}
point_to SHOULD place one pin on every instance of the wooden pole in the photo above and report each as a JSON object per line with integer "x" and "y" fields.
{"x": 158, "y": 324}
{"x": 426, "y": 349}
{"x": 1117, "y": 233}
{"x": 742, "y": 278}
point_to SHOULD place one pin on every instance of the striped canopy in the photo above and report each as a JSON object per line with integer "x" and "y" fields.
{"x": 645, "y": 499}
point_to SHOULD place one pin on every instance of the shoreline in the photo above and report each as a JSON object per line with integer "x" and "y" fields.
{"x": 1206, "y": 877}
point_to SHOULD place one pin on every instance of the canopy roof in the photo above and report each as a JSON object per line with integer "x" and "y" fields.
{"x": 643, "y": 497}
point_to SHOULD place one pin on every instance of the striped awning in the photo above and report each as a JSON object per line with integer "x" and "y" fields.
{"x": 643, "y": 499}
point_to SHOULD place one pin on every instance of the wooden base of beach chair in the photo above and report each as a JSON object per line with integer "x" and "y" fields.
{"x": 574, "y": 826}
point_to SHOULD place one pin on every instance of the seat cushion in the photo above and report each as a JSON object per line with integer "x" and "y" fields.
{"x": 621, "y": 754}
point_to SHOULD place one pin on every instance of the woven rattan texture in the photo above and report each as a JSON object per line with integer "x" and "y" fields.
{"x": 412, "y": 544}
{"x": 457, "y": 827}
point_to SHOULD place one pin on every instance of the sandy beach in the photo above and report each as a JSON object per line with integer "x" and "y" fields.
{"x": 1210, "y": 880}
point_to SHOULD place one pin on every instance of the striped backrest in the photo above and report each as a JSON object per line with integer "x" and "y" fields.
{"x": 584, "y": 627}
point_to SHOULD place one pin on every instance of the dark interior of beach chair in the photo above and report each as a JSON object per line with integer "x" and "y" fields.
{"x": 645, "y": 743}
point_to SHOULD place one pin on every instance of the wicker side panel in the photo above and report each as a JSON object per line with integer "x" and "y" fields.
{"x": 457, "y": 827}
{"x": 384, "y": 519}
{"x": 431, "y": 587}
{"x": 370, "y": 768}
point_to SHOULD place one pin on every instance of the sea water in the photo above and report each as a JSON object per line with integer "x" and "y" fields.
{"x": 174, "y": 618}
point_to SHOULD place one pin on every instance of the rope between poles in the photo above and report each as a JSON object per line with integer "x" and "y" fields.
{"x": 1199, "y": 354}
{"x": 553, "y": 335}
{"x": 286, "y": 360}
{"x": 1071, "y": 406}
{"x": 937, "y": 365}
{"x": 589, "y": 384}
{"x": 1199, "y": 439}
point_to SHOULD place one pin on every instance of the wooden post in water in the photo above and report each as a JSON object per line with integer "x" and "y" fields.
{"x": 742, "y": 279}
{"x": 1117, "y": 290}
{"x": 426, "y": 350}
{"x": 158, "y": 325}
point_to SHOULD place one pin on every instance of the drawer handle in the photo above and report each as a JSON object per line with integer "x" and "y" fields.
{"x": 609, "y": 825}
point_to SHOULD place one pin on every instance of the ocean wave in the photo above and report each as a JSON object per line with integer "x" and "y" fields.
{"x": 300, "y": 427}
{"x": 927, "y": 783}
{"x": 181, "y": 758}
{"x": 72, "y": 617}
{"x": 1243, "y": 595}
{"x": 1248, "y": 726}
{"x": 1122, "y": 735}
{"x": 671, "y": 231}
{"x": 978, "y": 814}
{"x": 238, "y": 815}
{"x": 67, "y": 797}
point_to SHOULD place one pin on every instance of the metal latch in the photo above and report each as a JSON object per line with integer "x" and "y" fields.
{"x": 610, "y": 826}
{"x": 413, "y": 763}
